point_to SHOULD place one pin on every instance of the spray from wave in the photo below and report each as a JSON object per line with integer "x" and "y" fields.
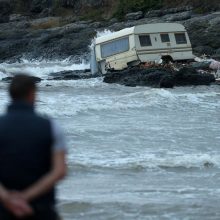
{"x": 39, "y": 68}
{"x": 42, "y": 68}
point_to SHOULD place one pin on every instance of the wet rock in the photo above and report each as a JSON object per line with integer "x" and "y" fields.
{"x": 177, "y": 10}
{"x": 154, "y": 77}
{"x": 154, "y": 13}
{"x": 17, "y": 17}
{"x": 167, "y": 82}
{"x": 113, "y": 20}
{"x": 159, "y": 13}
{"x": 72, "y": 75}
{"x": 59, "y": 38}
{"x": 134, "y": 16}
{"x": 9, "y": 78}
{"x": 202, "y": 31}
{"x": 180, "y": 16}
{"x": 159, "y": 77}
{"x": 188, "y": 76}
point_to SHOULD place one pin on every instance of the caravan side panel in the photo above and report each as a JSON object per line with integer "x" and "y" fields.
{"x": 155, "y": 41}
{"x": 117, "y": 53}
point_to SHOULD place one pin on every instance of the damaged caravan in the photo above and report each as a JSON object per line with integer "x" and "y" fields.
{"x": 141, "y": 44}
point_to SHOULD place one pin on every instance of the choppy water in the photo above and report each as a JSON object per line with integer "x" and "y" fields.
{"x": 134, "y": 153}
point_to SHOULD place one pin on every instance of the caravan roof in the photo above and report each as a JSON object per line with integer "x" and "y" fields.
{"x": 143, "y": 29}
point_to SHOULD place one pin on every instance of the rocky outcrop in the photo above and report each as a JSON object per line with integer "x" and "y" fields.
{"x": 135, "y": 15}
{"x": 9, "y": 79}
{"x": 39, "y": 39}
{"x": 159, "y": 77}
{"x": 188, "y": 76}
{"x": 180, "y": 16}
{"x": 72, "y": 75}
{"x": 59, "y": 38}
{"x": 204, "y": 30}
{"x": 177, "y": 11}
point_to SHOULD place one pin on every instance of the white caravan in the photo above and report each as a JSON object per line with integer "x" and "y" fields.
{"x": 140, "y": 44}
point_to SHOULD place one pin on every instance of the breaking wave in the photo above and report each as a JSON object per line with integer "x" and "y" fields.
{"x": 151, "y": 161}
{"x": 40, "y": 68}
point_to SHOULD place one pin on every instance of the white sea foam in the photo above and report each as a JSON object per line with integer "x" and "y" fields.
{"x": 39, "y": 68}
{"x": 100, "y": 34}
{"x": 121, "y": 98}
{"x": 42, "y": 68}
{"x": 151, "y": 161}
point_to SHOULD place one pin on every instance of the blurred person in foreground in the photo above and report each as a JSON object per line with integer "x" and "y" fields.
{"x": 32, "y": 157}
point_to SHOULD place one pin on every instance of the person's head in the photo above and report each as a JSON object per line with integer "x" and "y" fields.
{"x": 23, "y": 88}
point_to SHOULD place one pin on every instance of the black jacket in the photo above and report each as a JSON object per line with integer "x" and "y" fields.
{"x": 25, "y": 149}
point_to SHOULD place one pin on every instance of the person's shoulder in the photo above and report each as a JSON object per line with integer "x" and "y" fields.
{"x": 3, "y": 118}
{"x": 43, "y": 120}
{"x": 43, "y": 117}
{"x": 49, "y": 120}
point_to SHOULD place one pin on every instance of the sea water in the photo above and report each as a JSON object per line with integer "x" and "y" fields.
{"x": 133, "y": 153}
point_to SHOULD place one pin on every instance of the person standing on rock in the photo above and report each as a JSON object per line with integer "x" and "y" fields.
{"x": 32, "y": 157}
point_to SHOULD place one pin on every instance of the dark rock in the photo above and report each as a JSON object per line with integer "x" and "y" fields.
{"x": 72, "y": 75}
{"x": 167, "y": 82}
{"x": 36, "y": 79}
{"x": 154, "y": 13}
{"x": 159, "y": 13}
{"x": 9, "y": 78}
{"x": 159, "y": 77}
{"x": 138, "y": 77}
{"x": 177, "y": 10}
{"x": 17, "y": 17}
{"x": 135, "y": 15}
{"x": 201, "y": 50}
{"x": 203, "y": 31}
{"x": 50, "y": 38}
{"x": 188, "y": 76}
{"x": 113, "y": 20}
{"x": 180, "y": 16}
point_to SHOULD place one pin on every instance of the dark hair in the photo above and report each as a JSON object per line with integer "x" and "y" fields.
{"x": 21, "y": 86}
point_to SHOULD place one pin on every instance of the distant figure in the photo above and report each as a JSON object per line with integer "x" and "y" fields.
{"x": 32, "y": 157}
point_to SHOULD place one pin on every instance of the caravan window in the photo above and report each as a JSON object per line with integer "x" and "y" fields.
{"x": 165, "y": 38}
{"x": 181, "y": 38}
{"x": 115, "y": 47}
{"x": 145, "y": 40}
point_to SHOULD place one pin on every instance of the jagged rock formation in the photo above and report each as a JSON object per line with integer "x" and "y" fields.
{"x": 159, "y": 77}
{"x": 28, "y": 34}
